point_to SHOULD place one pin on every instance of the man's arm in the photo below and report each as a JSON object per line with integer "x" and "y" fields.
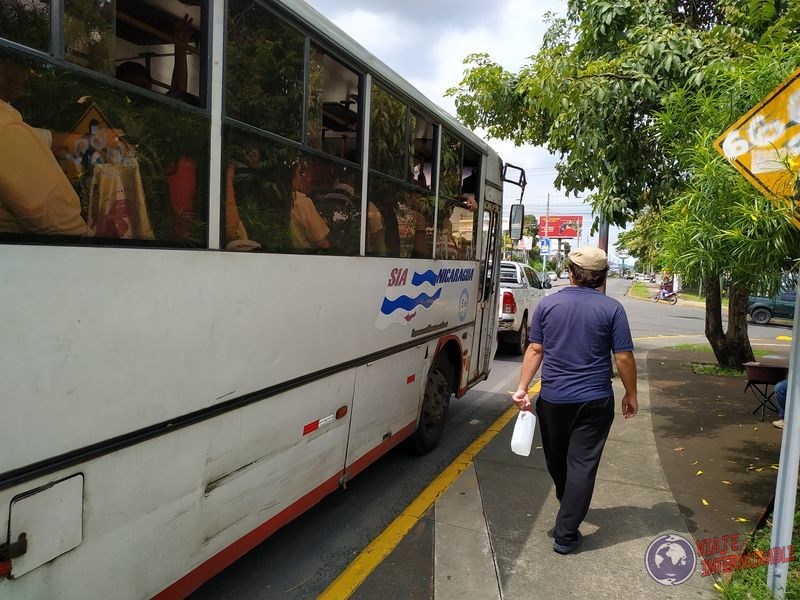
{"x": 34, "y": 188}
{"x": 626, "y": 367}
{"x": 530, "y": 365}
{"x": 180, "y": 71}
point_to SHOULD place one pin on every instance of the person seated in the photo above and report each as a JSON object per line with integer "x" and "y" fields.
{"x": 35, "y": 194}
{"x": 376, "y": 238}
{"x": 307, "y": 227}
{"x": 780, "y": 399}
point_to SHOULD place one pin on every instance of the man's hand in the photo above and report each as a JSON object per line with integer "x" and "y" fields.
{"x": 630, "y": 406}
{"x": 521, "y": 399}
{"x": 183, "y": 30}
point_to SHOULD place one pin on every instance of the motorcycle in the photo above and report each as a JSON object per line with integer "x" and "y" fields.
{"x": 666, "y": 295}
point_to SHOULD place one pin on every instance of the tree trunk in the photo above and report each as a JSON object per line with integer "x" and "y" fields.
{"x": 731, "y": 349}
{"x": 737, "y": 338}
{"x": 714, "y": 332}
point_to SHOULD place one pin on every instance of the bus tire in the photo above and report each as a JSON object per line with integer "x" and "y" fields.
{"x": 432, "y": 417}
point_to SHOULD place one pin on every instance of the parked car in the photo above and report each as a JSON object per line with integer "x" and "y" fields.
{"x": 762, "y": 309}
{"x": 552, "y": 275}
{"x": 564, "y": 274}
{"x": 520, "y": 291}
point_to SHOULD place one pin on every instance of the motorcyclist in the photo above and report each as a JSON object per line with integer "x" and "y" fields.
{"x": 666, "y": 288}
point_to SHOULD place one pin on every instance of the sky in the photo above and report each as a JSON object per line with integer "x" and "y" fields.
{"x": 425, "y": 41}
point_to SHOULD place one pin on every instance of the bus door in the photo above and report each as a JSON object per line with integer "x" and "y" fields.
{"x": 485, "y": 340}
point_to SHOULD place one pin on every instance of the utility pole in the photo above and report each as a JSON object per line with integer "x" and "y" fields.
{"x": 786, "y": 486}
{"x": 603, "y": 242}
{"x": 546, "y": 225}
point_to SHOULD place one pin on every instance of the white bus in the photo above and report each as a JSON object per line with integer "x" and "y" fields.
{"x": 241, "y": 259}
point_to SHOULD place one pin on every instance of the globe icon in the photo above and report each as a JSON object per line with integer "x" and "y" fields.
{"x": 670, "y": 559}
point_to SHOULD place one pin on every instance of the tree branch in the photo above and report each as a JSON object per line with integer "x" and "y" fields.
{"x": 609, "y": 75}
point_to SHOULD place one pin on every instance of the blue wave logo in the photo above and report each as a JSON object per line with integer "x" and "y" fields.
{"x": 426, "y": 277}
{"x": 406, "y": 303}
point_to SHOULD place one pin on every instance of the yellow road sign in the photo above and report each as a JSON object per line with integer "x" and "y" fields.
{"x": 764, "y": 145}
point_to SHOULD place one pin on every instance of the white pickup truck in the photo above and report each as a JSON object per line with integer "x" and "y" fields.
{"x": 520, "y": 291}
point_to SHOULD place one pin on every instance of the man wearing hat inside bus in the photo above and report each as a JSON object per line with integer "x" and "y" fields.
{"x": 573, "y": 334}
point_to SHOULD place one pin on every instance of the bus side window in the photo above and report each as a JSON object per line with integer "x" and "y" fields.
{"x": 281, "y": 199}
{"x": 456, "y": 230}
{"x": 404, "y": 216}
{"x": 421, "y": 152}
{"x": 135, "y": 167}
{"x": 149, "y": 44}
{"x": 333, "y": 107}
{"x": 264, "y": 75}
{"x": 401, "y": 205}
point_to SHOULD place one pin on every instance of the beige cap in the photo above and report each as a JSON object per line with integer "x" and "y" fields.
{"x": 590, "y": 258}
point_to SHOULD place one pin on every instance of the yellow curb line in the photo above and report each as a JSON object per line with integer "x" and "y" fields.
{"x": 366, "y": 562}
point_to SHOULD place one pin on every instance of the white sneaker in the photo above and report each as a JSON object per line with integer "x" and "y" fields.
{"x": 778, "y": 423}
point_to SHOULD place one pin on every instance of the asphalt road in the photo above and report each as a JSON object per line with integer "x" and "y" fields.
{"x": 300, "y": 560}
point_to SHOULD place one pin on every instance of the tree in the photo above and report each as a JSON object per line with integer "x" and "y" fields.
{"x": 719, "y": 225}
{"x": 590, "y": 95}
{"x": 605, "y": 93}
{"x": 641, "y": 241}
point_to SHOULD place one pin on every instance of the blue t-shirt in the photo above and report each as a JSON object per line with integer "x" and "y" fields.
{"x": 579, "y": 328}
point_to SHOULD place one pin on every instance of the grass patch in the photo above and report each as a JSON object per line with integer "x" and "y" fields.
{"x": 707, "y": 348}
{"x": 751, "y": 584}
{"x": 715, "y": 369}
{"x": 693, "y": 347}
{"x": 639, "y": 290}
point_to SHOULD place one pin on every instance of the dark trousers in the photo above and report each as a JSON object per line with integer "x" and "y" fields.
{"x": 573, "y": 436}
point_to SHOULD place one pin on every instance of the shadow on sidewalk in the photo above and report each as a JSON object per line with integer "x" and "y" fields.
{"x": 639, "y": 523}
{"x": 719, "y": 459}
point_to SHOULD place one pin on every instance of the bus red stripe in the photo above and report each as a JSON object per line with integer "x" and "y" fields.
{"x": 194, "y": 579}
{"x": 362, "y": 463}
{"x": 226, "y": 557}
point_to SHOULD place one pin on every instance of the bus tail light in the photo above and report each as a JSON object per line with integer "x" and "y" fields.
{"x": 509, "y": 304}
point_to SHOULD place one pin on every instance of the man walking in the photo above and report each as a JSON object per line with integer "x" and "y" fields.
{"x": 573, "y": 334}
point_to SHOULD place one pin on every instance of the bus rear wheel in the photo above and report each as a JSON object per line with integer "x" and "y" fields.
{"x": 433, "y": 415}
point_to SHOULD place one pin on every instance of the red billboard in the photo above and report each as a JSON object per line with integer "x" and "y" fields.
{"x": 560, "y": 227}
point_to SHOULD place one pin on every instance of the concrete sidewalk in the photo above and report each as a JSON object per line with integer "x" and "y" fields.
{"x": 487, "y": 536}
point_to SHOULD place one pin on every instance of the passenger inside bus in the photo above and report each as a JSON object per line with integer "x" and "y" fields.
{"x": 418, "y": 222}
{"x": 376, "y": 235}
{"x": 35, "y": 194}
{"x": 308, "y": 228}
{"x": 236, "y": 238}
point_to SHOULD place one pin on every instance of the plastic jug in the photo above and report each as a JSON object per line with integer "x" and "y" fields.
{"x": 522, "y": 438}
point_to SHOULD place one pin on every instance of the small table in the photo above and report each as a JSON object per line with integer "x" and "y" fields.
{"x": 759, "y": 379}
